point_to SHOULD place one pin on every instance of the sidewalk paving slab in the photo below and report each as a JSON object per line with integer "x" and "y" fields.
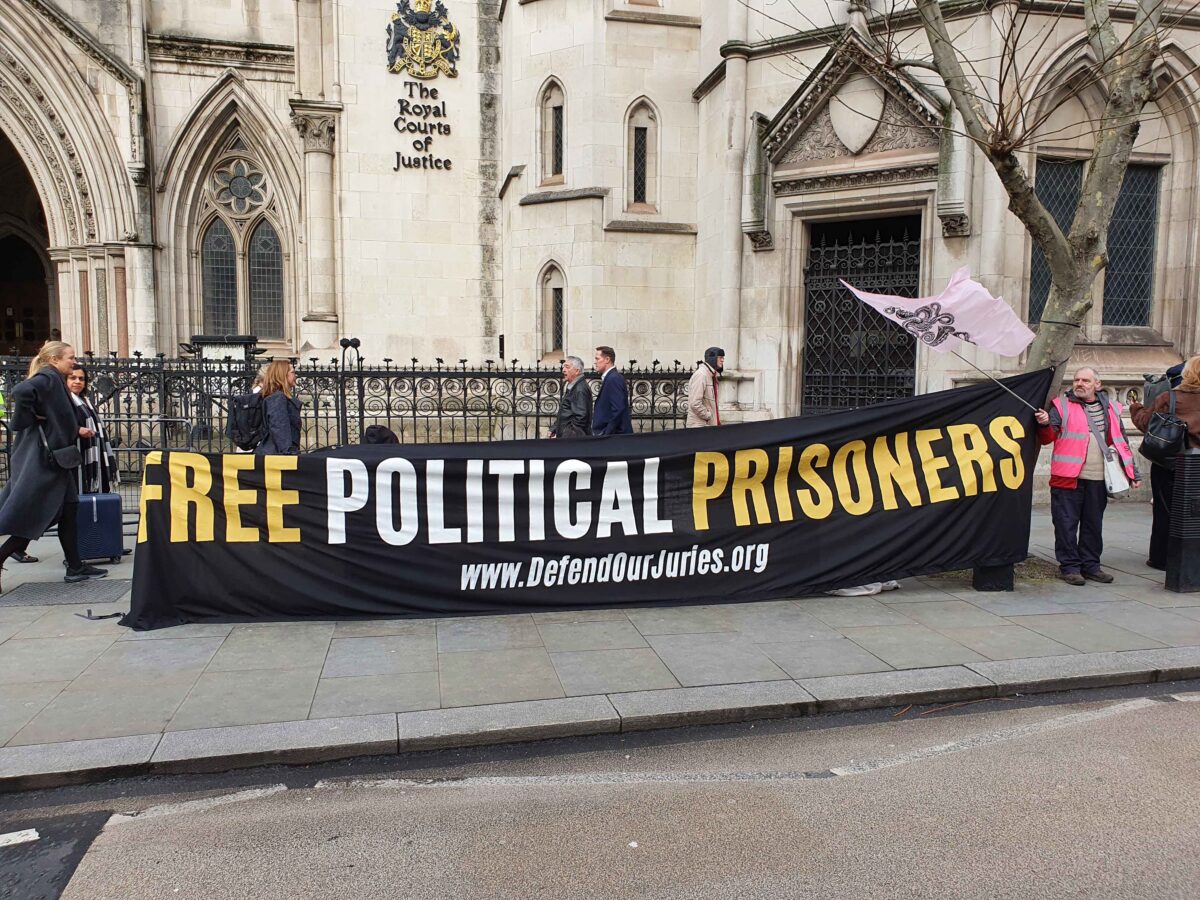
{"x": 839, "y": 693}
{"x": 501, "y": 723}
{"x": 308, "y": 741}
{"x": 711, "y": 705}
{"x": 74, "y": 762}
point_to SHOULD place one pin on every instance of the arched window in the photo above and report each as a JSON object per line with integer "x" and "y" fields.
{"x": 554, "y": 314}
{"x": 641, "y": 178}
{"x": 241, "y": 253}
{"x": 218, "y": 261}
{"x": 266, "y": 282}
{"x": 553, "y": 134}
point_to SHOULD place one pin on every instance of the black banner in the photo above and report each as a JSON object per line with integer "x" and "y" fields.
{"x": 742, "y": 512}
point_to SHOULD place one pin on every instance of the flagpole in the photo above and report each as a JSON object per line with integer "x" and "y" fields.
{"x": 993, "y": 378}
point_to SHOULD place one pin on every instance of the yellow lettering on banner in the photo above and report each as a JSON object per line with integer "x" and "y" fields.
{"x": 709, "y": 478}
{"x": 1006, "y": 431}
{"x": 236, "y": 497}
{"x": 149, "y": 492}
{"x": 817, "y": 501}
{"x": 853, "y": 454}
{"x": 896, "y": 471}
{"x": 749, "y": 473}
{"x": 783, "y": 503}
{"x": 971, "y": 450}
{"x": 278, "y": 498}
{"x": 195, "y": 494}
{"x": 931, "y": 464}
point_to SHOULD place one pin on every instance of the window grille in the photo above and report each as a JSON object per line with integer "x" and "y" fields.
{"x": 266, "y": 282}
{"x": 1129, "y": 277}
{"x": 219, "y": 279}
{"x": 557, "y": 316}
{"x": 640, "y": 140}
{"x": 1058, "y": 185}
{"x": 556, "y": 165}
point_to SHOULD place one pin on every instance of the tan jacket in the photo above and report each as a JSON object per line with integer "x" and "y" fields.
{"x": 702, "y": 398}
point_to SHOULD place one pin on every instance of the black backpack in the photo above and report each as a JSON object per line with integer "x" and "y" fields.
{"x": 247, "y": 427}
{"x": 1165, "y": 437}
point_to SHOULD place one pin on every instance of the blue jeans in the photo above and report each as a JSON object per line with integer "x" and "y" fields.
{"x": 1078, "y": 516}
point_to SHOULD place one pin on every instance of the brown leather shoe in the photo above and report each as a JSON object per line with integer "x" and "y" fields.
{"x": 1099, "y": 575}
{"x": 1072, "y": 578}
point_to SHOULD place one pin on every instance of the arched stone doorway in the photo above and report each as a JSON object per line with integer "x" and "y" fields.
{"x": 27, "y": 299}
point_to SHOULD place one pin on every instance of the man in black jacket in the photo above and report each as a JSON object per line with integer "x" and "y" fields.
{"x": 575, "y": 408}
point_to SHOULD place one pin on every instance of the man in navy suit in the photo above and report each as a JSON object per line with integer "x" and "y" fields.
{"x": 611, "y": 413}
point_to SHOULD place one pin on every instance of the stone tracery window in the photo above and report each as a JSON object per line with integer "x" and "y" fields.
{"x": 241, "y": 253}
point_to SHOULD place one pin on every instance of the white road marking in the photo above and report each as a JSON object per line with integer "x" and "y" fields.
{"x": 19, "y": 837}
{"x": 1187, "y": 698}
{"x": 192, "y": 806}
{"x": 996, "y": 737}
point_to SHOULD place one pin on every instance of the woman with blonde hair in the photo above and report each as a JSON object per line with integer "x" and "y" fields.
{"x": 41, "y": 488}
{"x": 1162, "y": 479}
{"x": 281, "y": 411}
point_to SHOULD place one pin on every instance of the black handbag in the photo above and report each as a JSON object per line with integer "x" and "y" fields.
{"x": 64, "y": 458}
{"x": 1165, "y": 437}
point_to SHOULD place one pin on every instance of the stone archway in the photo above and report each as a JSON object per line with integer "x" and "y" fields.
{"x": 27, "y": 295}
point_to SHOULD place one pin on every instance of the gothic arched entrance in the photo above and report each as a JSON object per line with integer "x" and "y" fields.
{"x": 26, "y": 276}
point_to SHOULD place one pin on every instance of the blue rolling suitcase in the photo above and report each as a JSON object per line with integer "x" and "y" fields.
{"x": 100, "y": 527}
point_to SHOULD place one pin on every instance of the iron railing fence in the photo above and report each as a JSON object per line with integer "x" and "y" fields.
{"x": 150, "y": 403}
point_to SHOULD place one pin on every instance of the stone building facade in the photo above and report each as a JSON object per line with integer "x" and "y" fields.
{"x": 516, "y": 179}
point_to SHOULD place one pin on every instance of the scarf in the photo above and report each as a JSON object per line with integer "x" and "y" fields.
{"x": 98, "y": 474}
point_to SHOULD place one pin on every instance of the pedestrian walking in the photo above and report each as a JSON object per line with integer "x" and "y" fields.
{"x": 281, "y": 411}
{"x": 1085, "y": 427}
{"x": 575, "y": 408}
{"x": 703, "y": 408}
{"x": 42, "y": 484}
{"x": 379, "y": 434}
{"x": 1162, "y": 479}
{"x": 97, "y": 473}
{"x": 611, "y": 412}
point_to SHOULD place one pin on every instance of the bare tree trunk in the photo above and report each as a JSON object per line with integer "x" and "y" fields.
{"x": 1075, "y": 259}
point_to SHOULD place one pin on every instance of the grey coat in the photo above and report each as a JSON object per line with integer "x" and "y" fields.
{"x": 37, "y": 489}
{"x": 281, "y": 419}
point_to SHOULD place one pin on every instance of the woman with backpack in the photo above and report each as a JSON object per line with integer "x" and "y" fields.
{"x": 281, "y": 411}
{"x": 1162, "y": 479}
{"x": 41, "y": 487}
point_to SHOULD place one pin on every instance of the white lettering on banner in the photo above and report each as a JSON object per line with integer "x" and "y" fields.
{"x": 385, "y": 475}
{"x": 403, "y": 511}
{"x": 616, "y": 501}
{"x": 579, "y": 472}
{"x": 506, "y": 471}
{"x": 651, "y": 523}
{"x": 339, "y": 501}
{"x": 475, "y": 501}
{"x": 435, "y": 506}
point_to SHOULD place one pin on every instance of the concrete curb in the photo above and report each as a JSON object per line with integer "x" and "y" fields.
{"x": 320, "y": 740}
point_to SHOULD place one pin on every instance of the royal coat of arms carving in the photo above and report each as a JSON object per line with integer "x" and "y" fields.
{"x": 422, "y": 40}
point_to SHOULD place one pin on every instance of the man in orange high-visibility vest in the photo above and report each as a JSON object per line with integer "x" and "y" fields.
{"x": 1085, "y": 427}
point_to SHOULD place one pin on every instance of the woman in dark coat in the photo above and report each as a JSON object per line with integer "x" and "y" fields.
{"x": 97, "y": 474}
{"x": 39, "y": 491}
{"x": 281, "y": 411}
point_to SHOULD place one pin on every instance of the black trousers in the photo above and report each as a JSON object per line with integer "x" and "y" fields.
{"x": 1078, "y": 516}
{"x": 1162, "y": 487}
{"x": 68, "y": 527}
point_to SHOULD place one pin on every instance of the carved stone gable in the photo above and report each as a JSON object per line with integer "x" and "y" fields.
{"x": 898, "y": 129}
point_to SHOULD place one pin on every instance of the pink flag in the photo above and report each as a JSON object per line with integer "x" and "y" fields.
{"x": 964, "y": 311}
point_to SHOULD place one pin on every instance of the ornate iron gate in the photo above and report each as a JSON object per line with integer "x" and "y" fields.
{"x": 852, "y": 355}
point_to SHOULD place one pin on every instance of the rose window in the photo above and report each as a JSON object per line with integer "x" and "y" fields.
{"x": 239, "y": 187}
